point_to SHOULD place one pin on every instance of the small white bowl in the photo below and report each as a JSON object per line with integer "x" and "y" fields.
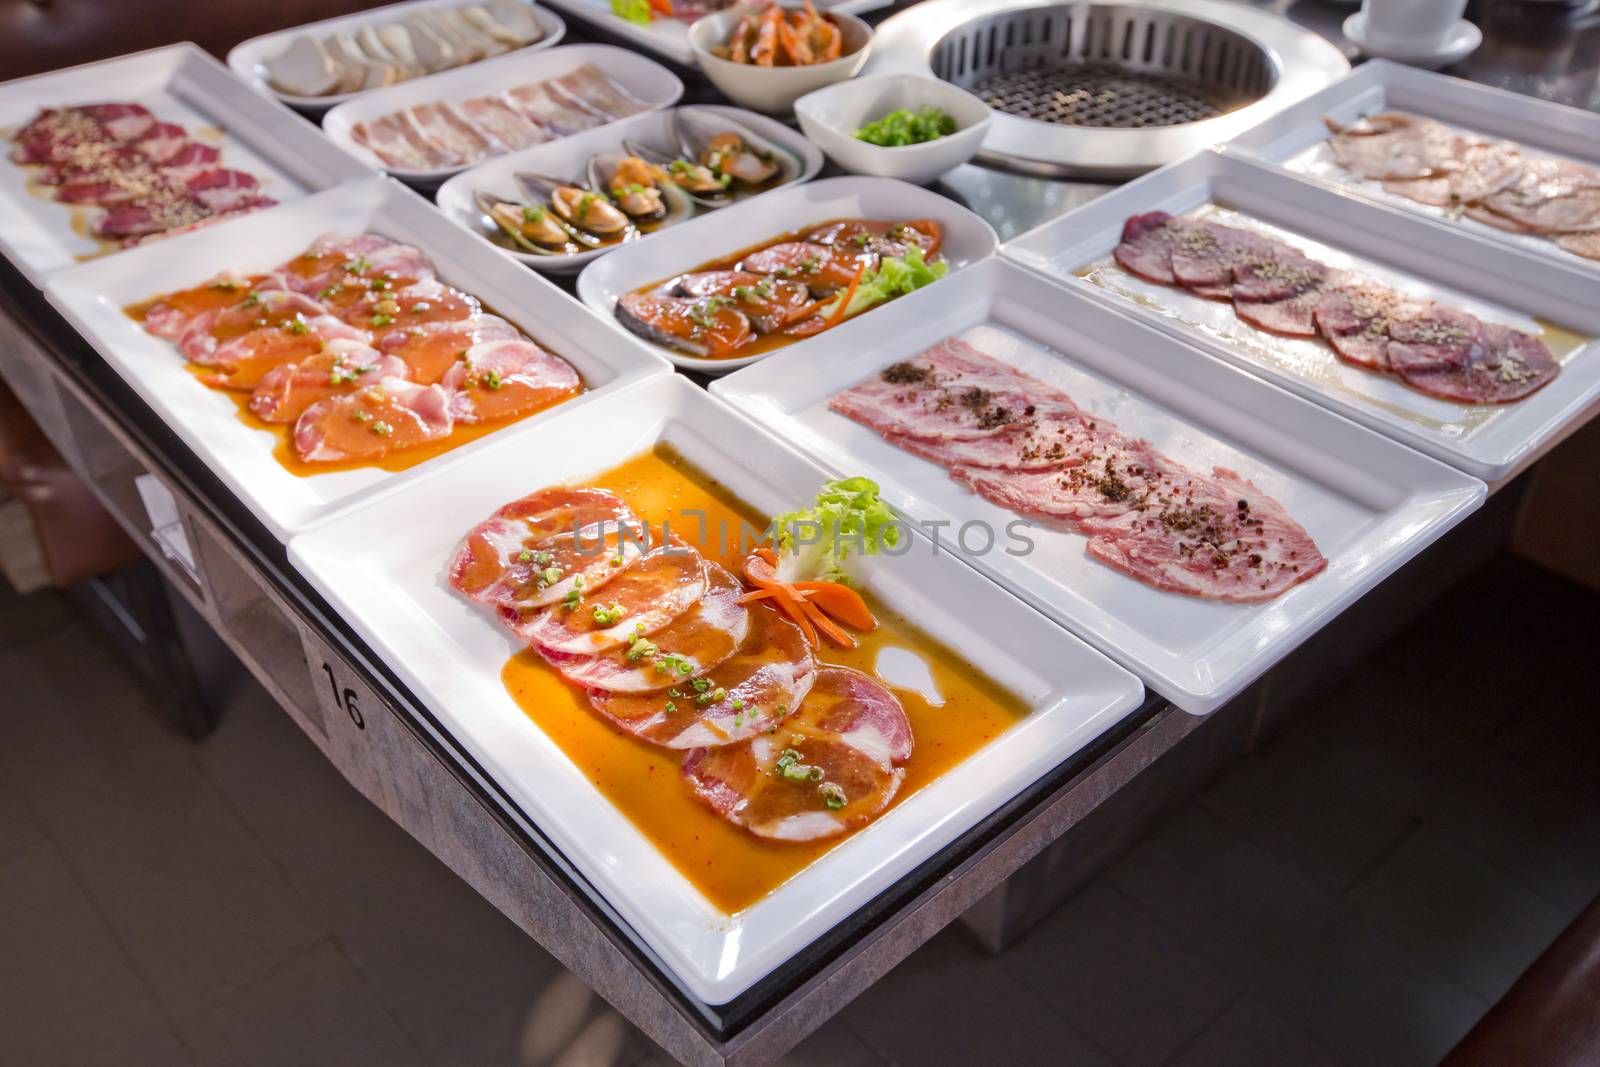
{"x": 831, "y": 116}
{"x": 774, "y": 89}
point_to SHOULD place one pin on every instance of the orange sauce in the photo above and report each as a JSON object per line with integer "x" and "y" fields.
{"x": 730, "y": 866}
{"x": 206, "y": 297}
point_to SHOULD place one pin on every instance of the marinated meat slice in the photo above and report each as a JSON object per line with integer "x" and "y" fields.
{"x": 496, "y": 559}
{"x": 254, "y": 310}
{"x": 242, "y": 362}
{"x": 169, "y": 317}
{"x": 1551, "y": 196}
{"x": 1501, "y": 364}
{"x": 499, "y": 380}
{"x": 161, "y": 142}
{"x": 823, "y": 269}
{"x": 708, "y": 330}
{"x": 1208, "y": 255}
{"x": 286, "y": 391}
{"x": 432, "y": 348}
{"x": 950, "y": 392}
{"x": 342, "y": 270}
{"x": 392, "y": 315}
{"x": 1481, "y": 170}
{"x": 1280, "y": 294}
{"x": 769, "y": 303}
{"x": 1354, "y": 318}
{"x": 573, "y": 565}
{"x": 830, "y": 767}
{"x": 753, "y": 690}
{"x": 878, "y": 236}
{"x": 153, "y": 215}
{"x": 372, "y": 422}
{"x": 661, "y": 585}
{"x": 192, "y": 159}
{"x": 223, "y": 190}
{"x": 692, "y": 644}
{"x": 1437, "y": 335}
{"x": 1219, "y": 538}
{"x": 1581, "y": 244}
{"x": 121, "y": 122}
{"x": 1396, "y": 145}
{"x": 1146, "y": 246}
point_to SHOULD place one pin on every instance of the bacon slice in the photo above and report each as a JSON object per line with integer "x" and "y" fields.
{"x": 844, "y": 743}
{"x": 648, "y": 596}
{"x": 490, "y": 567}
{"x": 691, "y": 645}
{"x": 754, "y": 690}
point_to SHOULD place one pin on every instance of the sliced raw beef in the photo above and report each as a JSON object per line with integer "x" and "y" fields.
{"x": 497, "y": 558}
{"x": 661, "y": 585}
{"x": 372, "y": 422}
{"x": 1552, "y": 196}
{"x": 692, "y": 644}
{"x": 754, "y": 690}
{"x": 1146, "y": 246}
{"x": 153, "y": 216}
{"x": 223, "y": 190}
{"x": 1280, "y": 294}
{"x": 286, "y": 391}
{"x": 1355, "y": 317}
{"x": 161, "y": 142}
{"x": 830, "y": 768}
{"x": 456, "y": 143}
{"x": 1106, "y": 486}
{"x": 1220, "y": 539}
{"x": 499, "y": 380}
{"x": 432, "y": 348}
{"x": 192, "y": 159}
{"x": 1396, "y": 145}
{"x": 1499, "y": 365}
{"x": 1437, "y": 335}
{"x": 1209, "y": 255}
{"x": 122, "y": 122}
{"x": 1045, "y": 443}
{"x": 770, "y": 303}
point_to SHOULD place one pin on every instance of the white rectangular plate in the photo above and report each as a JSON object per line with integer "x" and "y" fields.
{"x": 967, "y": 240}
{"x": 179, "y": 84}
{"x": 645, "y": 79}
{"x": 569, "y": 158}
{"x": 669, "y": 37}
{"x": 384, "y": 569}
{"x": 247, "y": 59}
{"x": 1406, "y": 251}
{"x": 1370, "y": 504}
{"x": 1296, "y": 138}
{"x": 93, "y": 296}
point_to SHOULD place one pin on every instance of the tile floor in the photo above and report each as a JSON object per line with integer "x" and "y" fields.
{"x": 1356, "y": 893}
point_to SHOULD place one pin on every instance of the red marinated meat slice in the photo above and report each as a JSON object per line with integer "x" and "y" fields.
{"x": 505, "y": 379}
{"x": 876, "y": 235}
{"x": 253, "y": 310}
{"x": 122, "y": 122}
{"x": 1280, "y": 294}
{"x": 572, "y": 565}
{"x": 830, "y": 768}
{"x": 372, "y": 422}
{"x": 209, "y": 220}
{"x": 54, "y": 132}
{"x": 692, "y": 644}
{"x": 342, "y": 270}
{"x": 1219, "y": 538}
{"x": 660, "y": 586}
{"x": 700, "y": 328}
{"x": 161, "y": 142}
{"x": 432, "y": 348}
{"x": 1396, "y": 145}
{"x": 223, "y": 190}
{"x": 154, "y": 215}
{"x": 1146, "y": 246}
{"x": 1438, "y": 335}
{"x": 391, "y": 315}
{"x": 1354, "y": 318}
{"x": 286, "y": 391}
{"x": 1208, "y": 255}
{"x": 1499, "y": 364}
{"x": 770, "y": 303}
{"x": 244, "y": 361}
{"x": 756, "y": 688}
{"x": 822, "y": 269}
{"x": 192, "y": 159}
{"x": 497, "y": 558}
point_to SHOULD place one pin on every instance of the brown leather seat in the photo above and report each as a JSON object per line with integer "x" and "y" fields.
{"x": 41, "y": 35}
{"x": 1551, "y": 1016}
{"x": 77, "y": 538}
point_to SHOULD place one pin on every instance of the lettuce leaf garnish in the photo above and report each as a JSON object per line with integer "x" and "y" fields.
{"x": 895, "y": 276}
{"x": 635, "y": 11}
{"x": 814, "y": 542}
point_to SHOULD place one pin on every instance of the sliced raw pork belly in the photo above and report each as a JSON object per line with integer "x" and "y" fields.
{"x": 1495, "y": 364}
{"x": 372, "y": 422}
{"x": 692, "y": 644}
{"x": 499, "y": 120}
{"x": 1581, "y": 244}
{"x": 830, "y": 768}
{"x": 499, "y": 380}
{"x": 753, "y": 690}
{"x": 497, "y": 561}
{"x": 343, "y": 366}
{"x": 590, "y": 86}
{"x": 660, "y": 586}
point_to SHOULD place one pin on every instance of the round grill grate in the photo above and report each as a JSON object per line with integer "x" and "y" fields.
{"x": 1099, "y": 96}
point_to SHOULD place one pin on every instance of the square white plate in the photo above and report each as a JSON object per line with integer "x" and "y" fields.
{"x": 967, "y": 240}
{"x": 1404, "y": 250}
{"x": 1296, "y": 138}
{"x": 1369, "y": 503}
{"x": 92, "y": 298}
{"x": 179, "y": 84}
{"x": 569, "y": 157}
{"x": 669, "y": 37}
{"x": 643, "y": 78}
{"x": 247, "y": 58}
{"x": 384, "y": 569}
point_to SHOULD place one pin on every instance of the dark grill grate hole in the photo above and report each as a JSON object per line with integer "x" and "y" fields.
{"x": 1103, "y": 97}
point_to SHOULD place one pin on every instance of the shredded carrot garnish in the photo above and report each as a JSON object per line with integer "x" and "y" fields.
{"x": 808, "y": 603}
{"x": 844, "y": 302}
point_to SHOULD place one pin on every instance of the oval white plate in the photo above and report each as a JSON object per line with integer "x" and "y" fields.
{"x": 967, "y": 239}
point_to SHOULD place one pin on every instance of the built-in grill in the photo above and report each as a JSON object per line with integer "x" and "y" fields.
{"x": 1109, "y": 90}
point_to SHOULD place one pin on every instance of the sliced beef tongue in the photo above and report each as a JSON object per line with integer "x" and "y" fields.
{"x": 828, "y": 769}
{"x": 1146, "y": 246}
{"x": 1281, "y": 293}
{"x": 497, "y": 559}
{"x": 1551, "y": 196}
{"x": 692, "y": 644}
{"x": 1354, "y": 317}
{"x": 1495, "y": 364}
{"x": 752, "y": 691}
{"x": 1396, "y": 145}
{"x": 648, "y": 596}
